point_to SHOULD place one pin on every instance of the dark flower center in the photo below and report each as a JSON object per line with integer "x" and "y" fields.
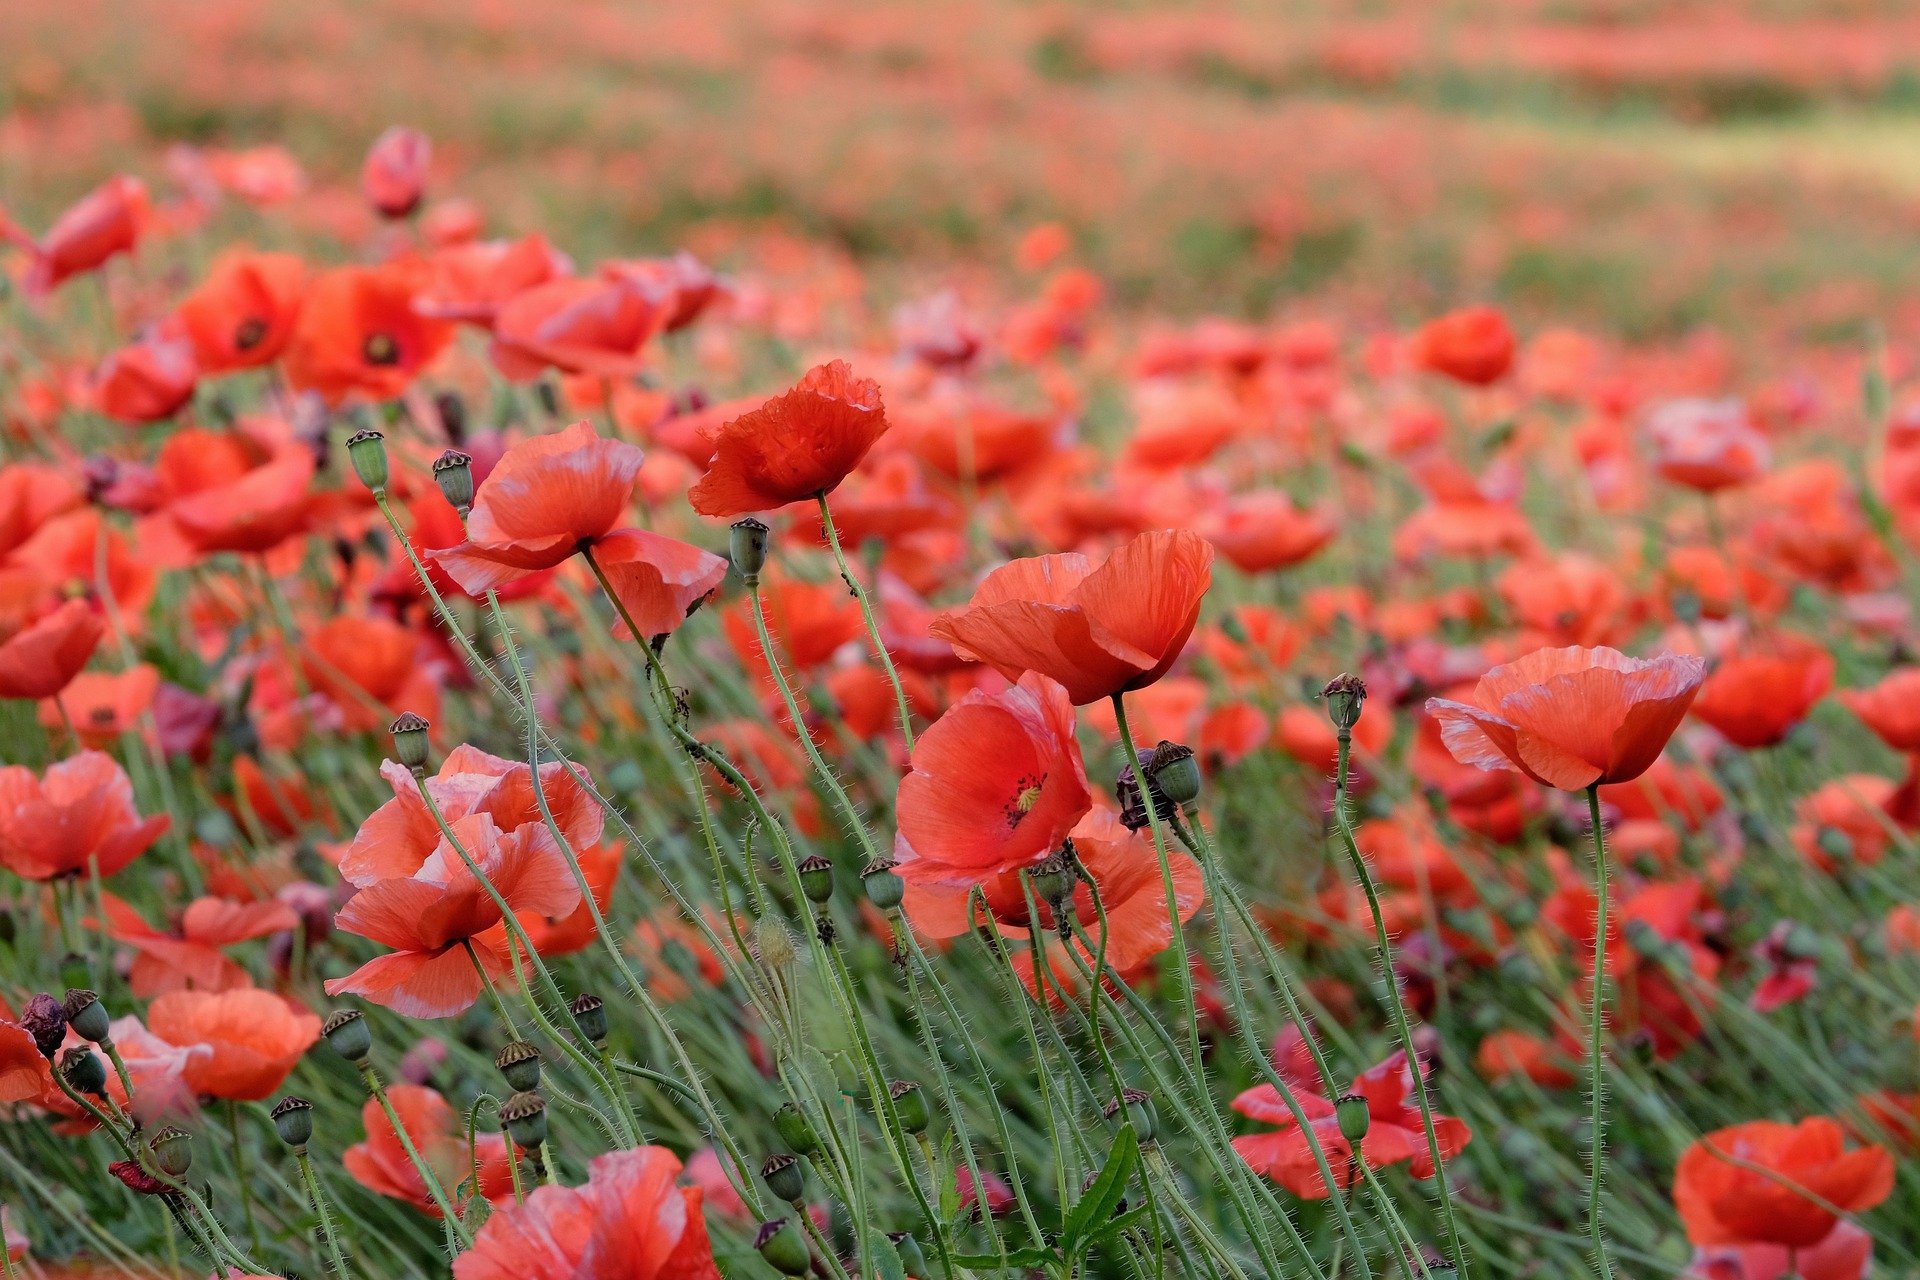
{"x": 250, "y": 334}
{"x": 381, "y": 349}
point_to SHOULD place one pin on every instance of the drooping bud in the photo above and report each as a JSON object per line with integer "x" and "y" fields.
{"x": 46, "y": 1022}
{"x": 884, "y": 887}
{"x": 87, "y": 1016}
{"x": 783, "y": 1248}
{"x": 1345, "y": 695}
{"x": 519, "y": 1065}
{"x": 910, "y": 1104}
{"x": 82, "y": 1068}
{"x": 346, "y": 1030}
{"x": 453, "y": 472}
{"x": 1354, "y": 1116}
{"x": 1140, "y": 1112}
{"x": 410, "y": 741}
{"x": 293, "y": 1120}
{"x": 590, "y": 1015}
{"x": 367, "y": 450}
{"x": 816, "y": 879}
{"x": 524, "y": 1117}
{"x": 747, "y": 546}
{"x": 785, "y": 1176}
{"x": 172, "y": 1151}
{"x": 795, "y": 1129}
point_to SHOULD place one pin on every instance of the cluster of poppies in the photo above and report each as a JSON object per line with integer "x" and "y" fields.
{"x": 905, "y": 817}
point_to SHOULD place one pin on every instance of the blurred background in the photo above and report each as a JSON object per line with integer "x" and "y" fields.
{"x": 1647, "y": 167}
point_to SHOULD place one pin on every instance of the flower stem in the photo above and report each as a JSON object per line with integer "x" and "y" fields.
{"x": 1596, "y": 1032}
{"x": 866, "y": 611}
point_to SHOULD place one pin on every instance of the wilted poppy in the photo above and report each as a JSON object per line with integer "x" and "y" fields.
{"x": 629, "y": 1221}
{"x": 438, "y": 1133}
{"x": 255, "y": 1039}
{"x": 242, "y": 315}
{"x": 394, "y": 175}
{"x": 78, "y": 819}
{"x": 1571, "y": 718}
{"x": 798, "y": 445}
{"x": 1790, "y": 1180}
{"x": 359, "y": 333}
{"x": 1097, "y": 631}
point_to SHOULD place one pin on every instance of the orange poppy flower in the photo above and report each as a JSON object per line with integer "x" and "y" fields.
{"x": 658, "y": 580}
{"x": 394, "y": 175}
{"x": 548, "y": 497}
{"x": 1264, "y": 530}
{"x": 1891, "y": 708}
{"x": 255, "y": 1039}
{"x": 629, "y": 1221}
{"x": 102, "y": 705}
{"x": 243, "y": 491}
{"x": 996, "y": 784}
{"x": 471, "y": 282}
{"x": 149, "y": 380}
{"x": 798, "y": 445}
{"x": 76, "y": 818}
{"x": 1571, "y": 718}
{"x": 370, "y": 669}
{"x": 105, "y": 221}
{"x": 243, "y": 313}
{"x": 359, "y": 333}
{"x": 1096, "y": 631}
{"x": 1566, "y": 600}
{"x": 40, "y": 655}
{"x": 438, "y": 1133}
{"x": 1473, "y": 345}
{"x": 1707, "y": 445}
{"x": 1722, "y": 1203}
{"x": 592, "y": 326}
{"x": 67, "y": 552}
{"x": 1754, "y": 699}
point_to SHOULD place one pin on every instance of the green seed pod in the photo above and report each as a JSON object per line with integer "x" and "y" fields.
{"x": 410, "y": 741}
{"x": 524, "y": 1117}
{"x": 172, "y": 1151}
{"x": 453, "y": 472}
{"x": 346, "y": 1030}
{"x": 784, "y": 1248}
{"x": 1140, "y": 1111}
{"x": 1354, "y": 1117}
{"x": 1345, "y": 694}
{"x": 1175, "y": 772}
{"x": 816, "y": 879}
{"x": 293, "y": 1120}
{"x": 590, "y": 1015}
{"x": 785, "y": 1176}
{"x": 87, "y": 1016}
{"x": 910, "y": 1104}
{"x": 367, "y": 450}
{"x": 519, "y": 1065}
{"x": 884, "y": 888}
{"x": 82, "y": 1068}
{"x": 1054, "y": 878}
{"x": 747, "y": 545}
{"x": 795, "y": 1129}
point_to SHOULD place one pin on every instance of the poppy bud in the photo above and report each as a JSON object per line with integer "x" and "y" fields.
{"x": 910, "y": 1104}
{"x": 884, "y": 888}
{"x": 1175, "y": 772}
{"x": 1344, "y": 694}
{"x": 410, "y": 741}
{"x": 81, "y": 1067}
{"x": 87, "y": 1016}
{"x": 816, "y": 879}
{"x": 519, "y": 1064}
{"x": 293, "y": 1120}
{"x": 1140, "y": 1112}
{"x": 795, "y": 1129}
{"x": 772, "y": 943}
{"x": 453, "y": 472}
{"x": 590, "y": 1015}
{"x": 1053, "y": 878}
{"x": 172, "y": 1151}
{"x": 911, "y": 1255}
{"x": 1354, "y": 1117}
{"x": 346, "y": 1030}
{"x": 785, "y": 1176}
{"x": 367, "y": 450}
{"x": 747, "y": 545}
{"x": 45, "y": 1021}
{"x": 783, "y": 1248}
{"x": 524, "y": 1117}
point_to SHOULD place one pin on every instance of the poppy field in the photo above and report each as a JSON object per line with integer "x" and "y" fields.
{"x": 882, "y": 641}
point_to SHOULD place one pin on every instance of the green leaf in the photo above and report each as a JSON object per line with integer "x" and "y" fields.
{"x": 1096, "y": 1206}
{"x": 1030, "y": 1257}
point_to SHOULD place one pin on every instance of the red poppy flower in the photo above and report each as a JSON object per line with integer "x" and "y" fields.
{"x": 1844, "y": 1254}
{"x": 106, "y": 221}
{"x": 471, "y": 282}
{"x": 40, "y": 655}
{"x": 1096, "y": 631}
{"x": 30, "y": 495}
{"x": 359, "y": 333}
{"x": 547, "y": 498}
{"x": 1473, "y": 345}
{"x": 684, "y": 285}
{"x": 394, "y": 175}
{"x": 67, "y": 552}
{"x": 592, "y": 326}
{"x": 1565, "y": 600}
{"x": 809, "y": 621}
{"x": 1263, "y": 531}
{"x": 255, "y": 1037}
{"x": 658, "y": 580}
{"x": 1571, "y": 718}
{"x": 102, "y": 705}
{"x": 1395, "y": 1132}
{"x": 1808, "y": 1167}
{"x": 796, "y": 446}
{"x": 241, "y": 494}
{"x": 369, "y": 668}
{"x": 1755, "y": 698}
{"x": 243, "y": 313}
{"x": 438, "y": 1133}
{"x": 149, "y": 380}
{"x": 1707, "y": 444}
{"x": 1891, "y": 708}
{"x": 78, "y": 817}
{"x": 997, "y": 783}
{"x": 1855, "y": 808}
{"x": 194, "y": 958}
{"x": 629, "y": 1221}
